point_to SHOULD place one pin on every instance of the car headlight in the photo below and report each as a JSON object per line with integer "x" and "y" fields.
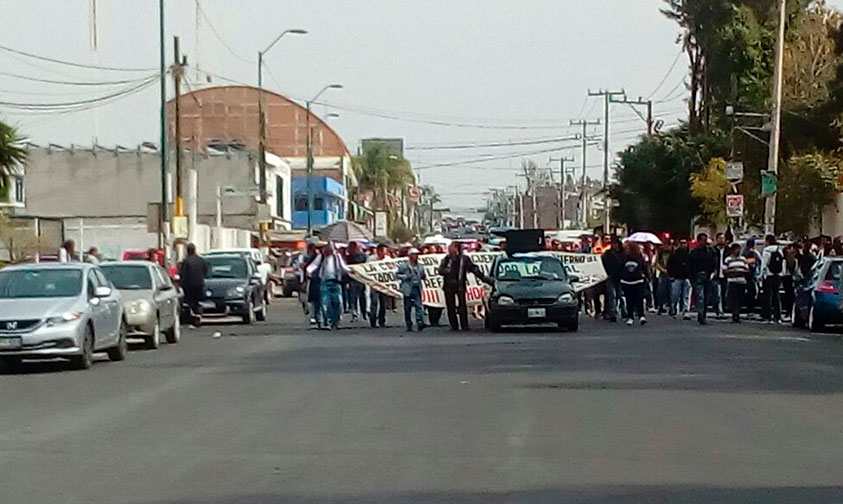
{"x": 506, "y": 301}
{"x": 566, "y": 298}
{"x": 236, "y": 291}
{"x": 63, "y": 318}
{"x": 139, "y": 306}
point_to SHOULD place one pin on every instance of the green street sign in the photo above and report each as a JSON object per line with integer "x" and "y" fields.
{"x": 769, "y": 184}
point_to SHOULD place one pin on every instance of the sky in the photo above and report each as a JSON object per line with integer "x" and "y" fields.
{"x": 438, "y": 73}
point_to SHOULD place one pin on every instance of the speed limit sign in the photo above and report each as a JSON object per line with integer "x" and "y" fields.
{"x": 734, "y": 205}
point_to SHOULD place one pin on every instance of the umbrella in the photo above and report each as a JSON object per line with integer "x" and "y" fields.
{"x": 345, "y": 231}
{"x": 642, "y": 237}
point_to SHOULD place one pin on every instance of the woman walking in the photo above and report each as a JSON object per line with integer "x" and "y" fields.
{"x": 635, "y": 272}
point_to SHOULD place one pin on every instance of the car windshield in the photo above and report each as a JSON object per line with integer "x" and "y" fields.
{"x": 227, "y": 267}
{"x": 53, "y": 283}
{"x": 517, "y": 268}
{"x": 835, "y": 269}
{"x": 128, "y": 277}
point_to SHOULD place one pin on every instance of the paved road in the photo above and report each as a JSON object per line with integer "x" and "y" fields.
{"x": 671, "y": 412}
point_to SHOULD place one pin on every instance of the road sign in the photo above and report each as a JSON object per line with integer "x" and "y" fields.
{"x": 380, "y": 224}
{"x": 734, "y": 171}
{"x": 769, "y": 184}
{"x": 734, "y": 205}
{"x": 180, "y": 227}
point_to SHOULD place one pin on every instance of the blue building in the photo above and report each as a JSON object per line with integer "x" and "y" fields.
{"x": 328, "y": 202}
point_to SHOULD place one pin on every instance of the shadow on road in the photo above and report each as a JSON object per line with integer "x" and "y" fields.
{"x": 583, "y": 495}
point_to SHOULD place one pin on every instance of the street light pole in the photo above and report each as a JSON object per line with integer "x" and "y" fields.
{"x": 310, "y": 156}
{"x": 261, "y": 118}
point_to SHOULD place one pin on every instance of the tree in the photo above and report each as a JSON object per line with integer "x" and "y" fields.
{"x": 653, "y": 188}
{"x": 710, "y": 188}
{"x": 808, "y": 185}
{"x": 384, "y": 174}
{"x": 12, "y": 156}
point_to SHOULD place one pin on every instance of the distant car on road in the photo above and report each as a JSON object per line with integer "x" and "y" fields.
{"x": 818, "y": 303}
{"x": 263, "y": 266}
{"x": 150, "y": 301}
{"x": 59, "y": 310}
{"x": 531, "y": 288}
{"x": 233, "y": 287}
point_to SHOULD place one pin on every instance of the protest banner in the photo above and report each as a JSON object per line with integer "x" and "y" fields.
{"x": 380, "y": 275}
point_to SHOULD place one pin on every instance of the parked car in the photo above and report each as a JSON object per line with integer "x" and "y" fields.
{"x": 150, "y": 301}
{"x": 59, "y": 310}
{"x": 263, "y": 266}
{"x": 531, "y": 288}
{"x": 233, "y": 287}
{"x": 817, "y": 304}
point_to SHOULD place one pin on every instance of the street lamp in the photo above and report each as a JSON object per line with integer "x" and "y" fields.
{"x": 261, "y": 118}
{"x": 310, "y": 157}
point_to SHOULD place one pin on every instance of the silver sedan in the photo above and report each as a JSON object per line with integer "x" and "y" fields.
{"x": 66, "y": 310}
{"x": 150, "y": 301}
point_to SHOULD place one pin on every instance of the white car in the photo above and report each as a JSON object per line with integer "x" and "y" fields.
{"x": 263, "y": 266}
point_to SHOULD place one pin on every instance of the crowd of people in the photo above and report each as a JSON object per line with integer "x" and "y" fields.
{"x": 329, "y": 291}
{"x": 684, "y": 278}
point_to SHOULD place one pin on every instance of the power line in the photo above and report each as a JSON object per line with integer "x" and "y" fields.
{"x": 76, "y": 105}
{"x": 219, "y": 37}
{"x": 492, "y": 144}
{"x": 669, "y": 71}
{"x": 74, "y": 64}
{"x": 76, "y": 83}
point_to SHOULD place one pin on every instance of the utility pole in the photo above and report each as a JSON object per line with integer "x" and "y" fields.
{"x": 583, "y": 218}
{"x": 164, "y": 222}
{"x": 773, "y": 161}
{"x": 562, "y": 193}
{"x": 640, "y": 101}
{"x": 607, "y": 203}
{"x": 177, "y": 69}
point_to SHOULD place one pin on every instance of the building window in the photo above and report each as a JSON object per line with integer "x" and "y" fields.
{"x": 301, "y": 204}
{"x": 318, "y": 204}
{"x": 19, "y": 189}
{"x": 279, "y": 197}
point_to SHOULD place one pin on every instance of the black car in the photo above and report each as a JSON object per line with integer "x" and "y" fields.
{"x": 233, "y": 287}
{"x": 531, "y": 288}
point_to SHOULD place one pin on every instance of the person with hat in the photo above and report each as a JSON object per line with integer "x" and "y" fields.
{"x": 331, "y": 270}
{"x": 411, "y": 274}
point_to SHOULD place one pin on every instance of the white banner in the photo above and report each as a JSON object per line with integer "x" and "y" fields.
{"x": 380, "y": 275}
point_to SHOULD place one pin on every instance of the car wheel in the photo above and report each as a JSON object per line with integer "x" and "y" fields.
{"x": 173, "y": 334}
{"x": 795, "y": 320}
{"x": 288, "y": 292}
{"x": 86, "y": 359}
{"x": 570, "y": 326}
{"x": 249, "y": 316}
{"x": 118, "y": 351}
{"x": 491, "y": 324}
{"x": 814, "y": 323}
{"x": 260, "y": 316}
{"x": 10, "y": 364}
{"x": 153, "y": 341}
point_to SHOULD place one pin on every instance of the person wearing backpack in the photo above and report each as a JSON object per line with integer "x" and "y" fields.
{"x": 773, "y": 267}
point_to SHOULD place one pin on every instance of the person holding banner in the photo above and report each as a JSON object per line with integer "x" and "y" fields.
{"x": 331, "y": 270}
{"x": 455, "y": 268}
{"x": 412, "y": 275}
{"x": 377, "y": 300}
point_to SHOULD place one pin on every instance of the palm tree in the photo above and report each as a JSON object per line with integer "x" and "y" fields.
{"x": 383, "y": 174}
{"x": 12, "y": 157}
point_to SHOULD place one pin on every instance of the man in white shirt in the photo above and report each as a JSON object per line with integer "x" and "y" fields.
{"x": 773, "y": 266}
{"x": 332, "y": 270}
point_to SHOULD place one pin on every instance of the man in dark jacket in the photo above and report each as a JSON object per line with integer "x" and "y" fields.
{"x": 680, "y": 285}
{"x": 612, "y": 262}
{"x": 702, "y": 262}
{"x": 455, "y": 267}
{"x": 192, "y": 275}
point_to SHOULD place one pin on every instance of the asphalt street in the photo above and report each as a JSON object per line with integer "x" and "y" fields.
{"x": 278, "y": 412}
